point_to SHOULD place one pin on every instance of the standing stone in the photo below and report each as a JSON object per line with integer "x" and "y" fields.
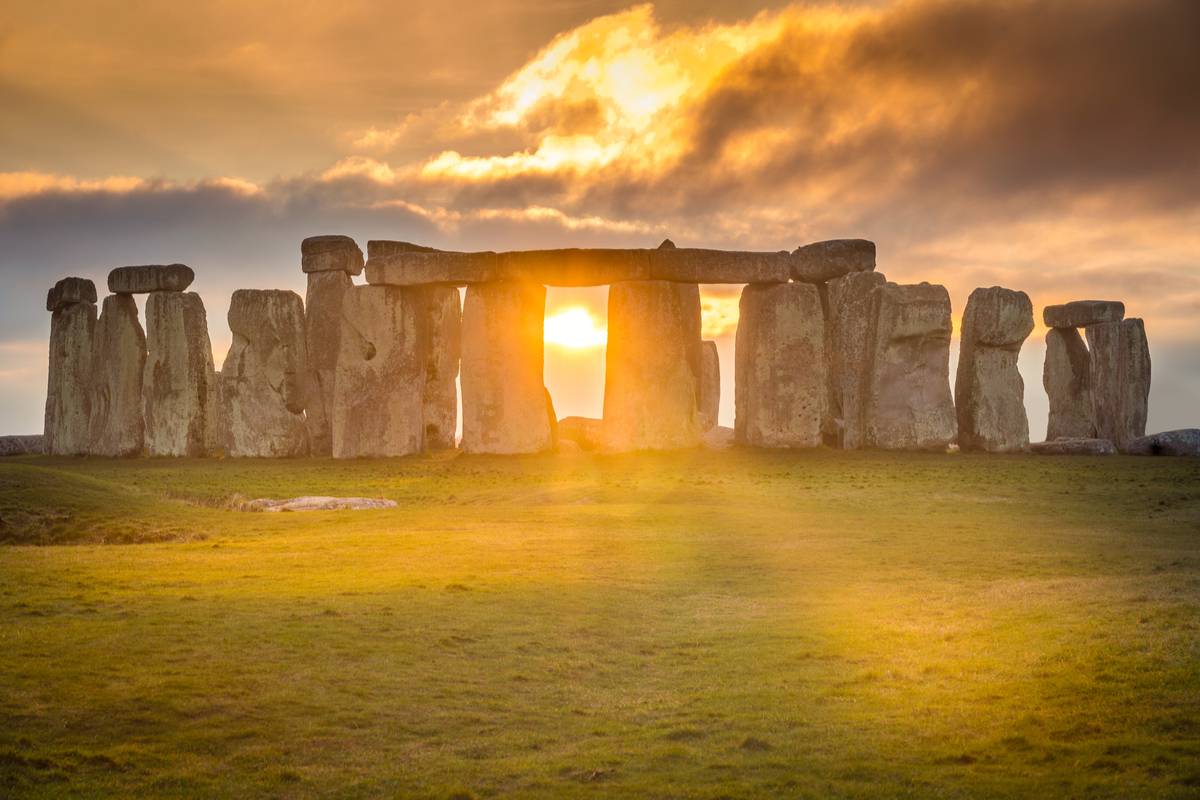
{"x": 179, "y": 383}
{"x": 710, "y": 385}
{"x": 118, "y": 361}
{"x": 1120, "y": 360}
{"x": 907, "y": 403}
{"x": 989, "y": 394}
{"x": 652, "y": 366}
{"x": 1067, "y": 379}
{"x": 262, "y": 379}
{"x": 848, "y": 325}
{"x": 68, "y": 389}
{"x": 441, "y": 313}
{"x": 322, "y": 329}
{"x": 506, "y": 407}
{"x": 379, "y": 383}
{"x": 779, "y": 372}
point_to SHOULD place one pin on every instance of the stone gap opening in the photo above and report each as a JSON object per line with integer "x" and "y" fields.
{"x": 573, "y": 368}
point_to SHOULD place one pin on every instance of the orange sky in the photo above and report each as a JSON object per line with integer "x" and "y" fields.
{"x": 1045, "y": 145}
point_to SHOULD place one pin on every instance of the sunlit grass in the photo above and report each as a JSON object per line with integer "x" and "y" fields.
{"x": 690, "y": 625}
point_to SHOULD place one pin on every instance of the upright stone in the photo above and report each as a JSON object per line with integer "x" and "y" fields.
{"x": 652, "y": 366}
{"x": 1120, "y": 360}
{"x": 441, "y": 312}
{"x": 989, "y": 394}
{"x": 1067, "y": 379}
{"x": 907, "y": 403}
{"x": 179, "y": 383}
{"x": 262, "y": 379}
{"x": 780, "y": 369}
{"x": 379, "y": 383}
{"x": 68, "y": 389}
{"x": 848, "y": 326}
{"x": 506, "y": 407}
{"x": 328, "y": 262}
{"x": 710, "y": 385}
{"x": 118, "y": 361}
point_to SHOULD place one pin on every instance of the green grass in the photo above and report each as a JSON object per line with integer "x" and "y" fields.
{"x": 692, "y": 625}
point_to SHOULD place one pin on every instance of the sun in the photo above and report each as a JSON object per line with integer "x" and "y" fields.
{"x": 575, "y": 328}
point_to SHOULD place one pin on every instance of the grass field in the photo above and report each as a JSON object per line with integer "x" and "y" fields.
{"x": 691, "y": 625}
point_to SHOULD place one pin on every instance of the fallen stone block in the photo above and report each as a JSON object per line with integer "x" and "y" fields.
{"x": 823, "y": 261}
{"x": 989, "y": 394}
{"x": 117, "y": 428}
{"x": 179, "y": 382}
{"x": 1182, "y": 442}
{"x": 505, "y": 404}
{"x": 907, "y": 404}
{"x": 1120, "y": 360}
{"x": 1081, "y": 313}
{"x": 718, "y": 437}
{"x": 322, "y": 332}
{"x": 150, "y": 278}
{"x": 34, "y": 444}
{"x": 69, "y": 378}
{"x": 1067, "y": 379}
{"x": 583, "y": 431}
{"x": 652, "y": 366}
{"x": 692, "y": 265}
{"x": 779, "y": 372}
{"x": 1074, "y": 447}
{"x": 263, "y": 376}
{"x": 848, "y": 325}
{"x": 331, "y": 254}
{"x": 69, "y": 291}
{"x": 379, "y": 388}
{"x": 318, "y": 503}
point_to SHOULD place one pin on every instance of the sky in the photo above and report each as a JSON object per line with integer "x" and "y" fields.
{"x": 1043, "y": 145}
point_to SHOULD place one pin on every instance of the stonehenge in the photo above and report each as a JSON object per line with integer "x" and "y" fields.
{"x": 652, "y": 366}
{"x": 827, "y": 351}
{"x": 906, "y": 403}
{"x": 779, "y": 371}
{"x": 72, "y": 303}
{"x": 989, "y": 394}
{"x": 263, "y": 376}
{"x": 506, "y": 408}
{"x": 1099, "y": 389}
{"x": 118, "y": 362}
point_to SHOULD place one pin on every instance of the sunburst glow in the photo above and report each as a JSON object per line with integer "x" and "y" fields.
{"x": 575, "y": 328}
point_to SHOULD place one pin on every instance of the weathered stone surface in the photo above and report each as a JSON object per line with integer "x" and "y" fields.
{"x": 68, "y": 391}
{"x": 583, "y": 431}
{"x": 824, "y": 261}
{"x": 1120, "y": 360}
{"x": 118, "y": 364}
{"x": 441, "y": 316}
{"x": 322, "y": 332}
{"x": 574, "y": 267}
{"x": 692, "y": 265}
{"x": 504, "y": 400}
{"x": 710, "y": 385}
{"x": 1074, "y": 447}
{"x": 178, "y": 383}
{"x": 331, "y": 254}
{"x": 652, "y": 366}
{"x": 379, "y": 388}
{"x": 907, "y": 404}
{"x": 263, "y": 376}
{"x": 989, "y": 394}
{"x": 1067, "y": 379}
{"x": 1183, "y": 442}
{"x": 397, "y": 267}
{"x": 780, "y": 370}
{"x": 22, "y": 445}
{"x": 848, "y": 326}
{"x": 68, "y": 291}
{"x": 1081, "y": 313}
{"x": 150, "y": 278}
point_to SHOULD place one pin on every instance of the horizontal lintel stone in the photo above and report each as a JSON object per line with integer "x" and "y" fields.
{"x": 691, "y": 265}
{"x": 1080, "y": 313}
{"x": 150, "y": 278}
{"x": 823, "y": 261}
